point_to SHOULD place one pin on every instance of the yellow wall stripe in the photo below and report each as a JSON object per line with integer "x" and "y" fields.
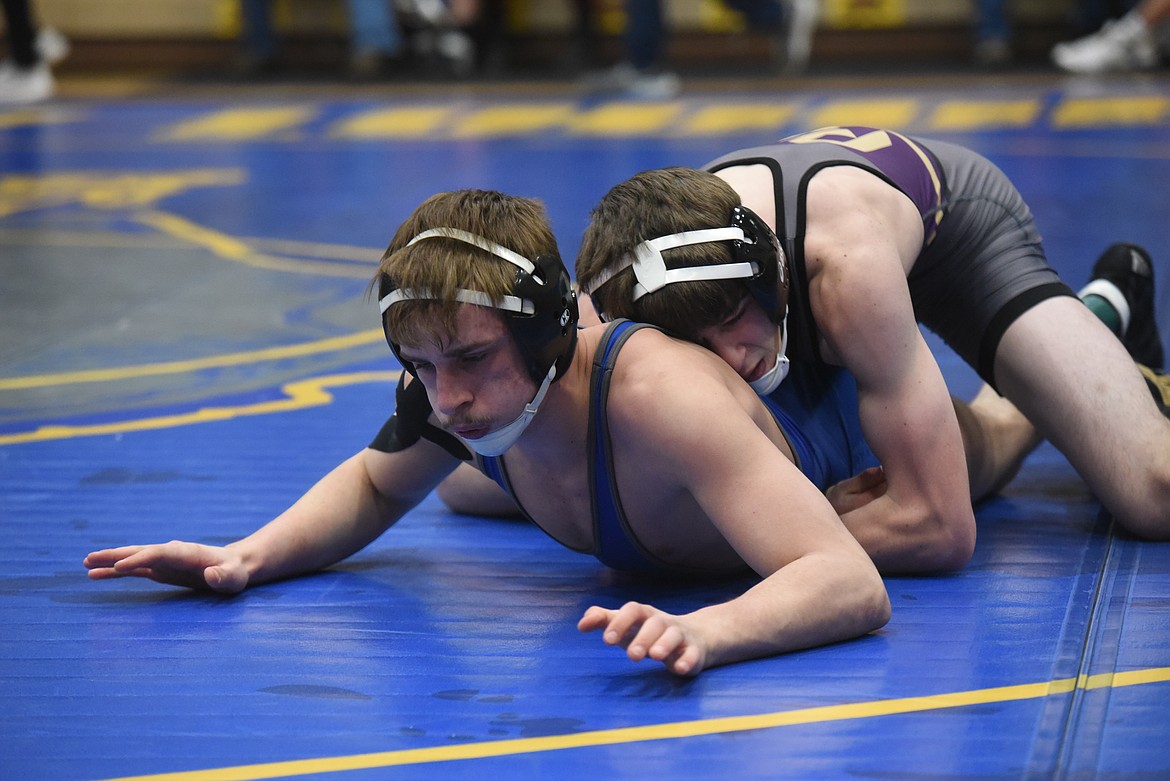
{"x": 513, "y": 120}
{"x": 239, "y": 124}
{"x": 623, "y": 118}
{"x": 972, "y": 115}
{"x": 1095, "y": 112}
{"x": 393, "y": 123}
{"x": 889, "y": 114}
{"x": 728, "y": 118}
{"x": 626, "y": 119}
{"x": 668, "y": 731}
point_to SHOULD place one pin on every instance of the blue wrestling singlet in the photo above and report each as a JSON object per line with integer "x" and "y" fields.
{"x": 827, "y": 442}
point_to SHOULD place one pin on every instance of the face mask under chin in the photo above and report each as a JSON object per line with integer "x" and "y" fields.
{"x": 495, "y": 443}
{"x": 771, "y": 380}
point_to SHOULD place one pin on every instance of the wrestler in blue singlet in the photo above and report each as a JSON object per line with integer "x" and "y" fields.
{"x": 827, "y": 443}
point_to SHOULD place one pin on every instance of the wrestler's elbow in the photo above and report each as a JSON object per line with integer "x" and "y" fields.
{"x": 947, "y": 540}
{"x": 923, "y": 541}
{"x": 874, "y": 609}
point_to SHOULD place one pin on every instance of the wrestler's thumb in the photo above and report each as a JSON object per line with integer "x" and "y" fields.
{"x": 224, "y": 580}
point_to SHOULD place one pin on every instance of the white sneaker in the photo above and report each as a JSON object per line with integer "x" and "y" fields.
{"x": 613, "y": 79}
{"x": 52, "y": 45}
{"x": 457, "y": 49}
{"x": 654, "y": 85}
{"x": 1123, "y": 45}
{"x": 25, "y": 85}
{"x": 626, "y": 80}
{"x": 803, "y": 16}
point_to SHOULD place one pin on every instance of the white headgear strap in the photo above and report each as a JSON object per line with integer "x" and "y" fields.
{"x": 507, "y": 303}
{"x": 650, "y": 268}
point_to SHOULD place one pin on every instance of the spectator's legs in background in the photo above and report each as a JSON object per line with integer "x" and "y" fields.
{"x": 645, "y": 41}
{"x": 259, "y": 39}
{"x": 641, "y": 74}
{"x": 795, "y": 22}
{"x": 803, "y": 16}
{"x": 645, "y": 34}
{"x": 25, "y": 77}
{"x": 993, "y": 33}
{"x": 439, "y": 32}
{"x": 375, "y": 37}
{"x": 587, "y": 38}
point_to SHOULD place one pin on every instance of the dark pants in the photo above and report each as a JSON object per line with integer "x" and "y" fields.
{"x": 645, "y": 32}
{"x": 21, "y": 33}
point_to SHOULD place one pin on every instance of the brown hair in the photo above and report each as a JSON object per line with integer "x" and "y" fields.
{"x": 647, "y": 206}
{"x": 443, "y": 265}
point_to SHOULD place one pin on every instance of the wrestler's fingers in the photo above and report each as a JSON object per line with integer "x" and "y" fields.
{"x": 107, "y": 558}
{"x": 686, "y": 661}
{"x": 106, "y": 573}
{"x": 670, "y": 642}
{"x": 593, "y": 619}
{"x": 616, "y": 623}
{"x": 626, "y": 622}
{"x": 651, "y": 631}
{"x": 176, "y": 554}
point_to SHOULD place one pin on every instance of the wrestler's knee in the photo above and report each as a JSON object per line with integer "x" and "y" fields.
{"x": 1146, "y": 513}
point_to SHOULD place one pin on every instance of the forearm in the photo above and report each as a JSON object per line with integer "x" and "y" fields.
{"x": 924, "y": 522}
{"x": 916, "y": 537}
{"x": 337, "y": 517}
{"x": 815, "y": 600}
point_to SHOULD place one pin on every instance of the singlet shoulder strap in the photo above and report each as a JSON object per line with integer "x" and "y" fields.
{"x": 787, "y": 193}
{"x": 614, "y": 543}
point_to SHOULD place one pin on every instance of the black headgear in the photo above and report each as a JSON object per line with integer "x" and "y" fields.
{"x": 756, "y": 257}
{"x": 541, "y": 311}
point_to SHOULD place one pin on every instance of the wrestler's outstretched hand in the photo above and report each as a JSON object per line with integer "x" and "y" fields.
{"x": 176, "y": 563}
{"x": 647, "y": 632}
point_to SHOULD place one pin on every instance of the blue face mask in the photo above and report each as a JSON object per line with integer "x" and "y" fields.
{"x": 495, "y": 443}
{"x": 774, "y": 376}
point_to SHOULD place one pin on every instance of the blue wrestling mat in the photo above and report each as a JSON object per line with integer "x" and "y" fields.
{"x": 188, "y": 344}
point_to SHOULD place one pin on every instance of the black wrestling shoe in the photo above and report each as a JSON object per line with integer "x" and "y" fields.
{"x": 1159, "y": 385}
{"x": 1129, "y": 267}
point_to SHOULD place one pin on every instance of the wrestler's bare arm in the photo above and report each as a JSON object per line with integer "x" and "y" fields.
{"x": 862, "y": 237}
{"x": 341, "y": 514}
{"x": 818, "y": 585}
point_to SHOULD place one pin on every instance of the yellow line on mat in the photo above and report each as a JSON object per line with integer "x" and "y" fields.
{"x": 231, "y": 248}
{"x": 299, "y": 395}
{"x": 682, "y": 729}
{"x": 194, "y": 364}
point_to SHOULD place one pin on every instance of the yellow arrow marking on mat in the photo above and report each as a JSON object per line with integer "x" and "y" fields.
{"x": 299, "y": 395}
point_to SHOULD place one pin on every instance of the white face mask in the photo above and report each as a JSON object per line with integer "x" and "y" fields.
{"x": 494, "y": 443}
{"x": 771, "y": 380}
